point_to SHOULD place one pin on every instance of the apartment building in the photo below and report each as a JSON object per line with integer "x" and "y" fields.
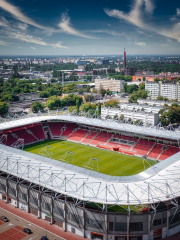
{"x": 146, "y": 118}
{"x": 140, "y": 107}
{"x": 111, "y": 84}
{"x": 169, "y": 90}
{"x": 154, "y": 103}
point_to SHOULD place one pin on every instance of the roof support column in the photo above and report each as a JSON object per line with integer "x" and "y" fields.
{"x": 17, "y": 198}
{"x": 39, "y": 205}
{"x": 83, "y": 221}
{"x": 52, "y": 211}
{"x": 28, "y": 208}
{"x": 106, "y": 223}
{"x": 7, "y": 197}
{"x": 167, "y": 220}
{"x": 128, "y": 221}
{"x": 149, "y": 222}
{"x": 65, "y": 215}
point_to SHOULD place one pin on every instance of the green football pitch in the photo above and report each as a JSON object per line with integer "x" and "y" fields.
{"x": 111, "y": 163}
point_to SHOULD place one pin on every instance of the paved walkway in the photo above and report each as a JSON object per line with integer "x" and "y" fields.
{"x": 39, "y": 222}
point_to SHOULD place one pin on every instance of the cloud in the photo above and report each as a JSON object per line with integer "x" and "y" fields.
{"x": 16, "y": 12}
{"x": 31, "y": 39}
{"x": 149, "y": 6}
{"x": 140, "y": 44}
{"x": 33, "y": 48}
{"x": 22, "y": 26}
{"x": 66, "y": 27}
{"x": 2, "y": 43}
{"x": 135, "y": 17}
{"x": 178, "y": 11}
{"x": 3, "y": 22}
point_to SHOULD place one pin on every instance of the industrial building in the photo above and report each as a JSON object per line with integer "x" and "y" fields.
{"x": 128, "y": 70}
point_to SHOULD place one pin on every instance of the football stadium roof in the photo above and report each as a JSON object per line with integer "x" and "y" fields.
{"x": 160, "y": 182}
{"x": 108, "y": 124}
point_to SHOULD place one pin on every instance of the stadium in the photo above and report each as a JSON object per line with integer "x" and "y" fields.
{"x": 99, "y": 179}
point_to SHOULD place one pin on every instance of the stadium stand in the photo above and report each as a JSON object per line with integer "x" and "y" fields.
{"x": 156, "y": 151}
{"x": 169, "y": 152}
{"x": 55, "y": 128}
{"x": 142, "y": 147}
{"x": 38, "y": 131}
{"x": 78, "y": 135}
{"x": 118, "y": 145}
{"x": 69, "y": 128}
{"x": 28, "y": 138}
{"x": 126, "y": 137}
{"x": 88, "y": 138}
{"x": 10, "y": 139}
{"x": 101, "y": 138}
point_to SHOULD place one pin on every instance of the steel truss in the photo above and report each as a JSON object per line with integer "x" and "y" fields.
{"x": 154, "y": 131}
{"x": 159, "y": 183}
{"x": 18, "y": 144}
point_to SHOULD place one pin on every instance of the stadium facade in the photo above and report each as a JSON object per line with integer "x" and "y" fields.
{"x": 62, "y": 193}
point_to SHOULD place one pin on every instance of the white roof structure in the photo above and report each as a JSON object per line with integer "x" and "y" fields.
{"x": 160, "y": 182}
{"x": 109, "y": 124}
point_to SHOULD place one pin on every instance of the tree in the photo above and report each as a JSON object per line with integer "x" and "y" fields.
{"x": 142, "y": 86}
{"x": 108, "y": 92}
{"x": 80, "y": 91}
{"x": 43, "y": 94}
{"x": 89, "y": 97}
{"x": 77, "y": 105}
{"x": 103, "y": 92}
{"x": 94, "y": 90}
{"x": 115, "y": 117}
{"x": 111, "y": 103}
{"x": 160, "y": 98}
{"x": 89, "y": 77}
{"x": 50, "y": 104}
{"x": 144, "y": 78}
{"x": 99, "y": 109}
{"x": 121, "y": 117}
{"x": 3, "y": 108}
{"x": 36, "y": 106}
{"x": 87, "y": 89}
{"x": 88, "y": 106}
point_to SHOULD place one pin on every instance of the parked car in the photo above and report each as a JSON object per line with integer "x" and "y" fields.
{"x": 27, "y": 230}
{"x": 4, "y": 219}
{"x": 44, "y": 238}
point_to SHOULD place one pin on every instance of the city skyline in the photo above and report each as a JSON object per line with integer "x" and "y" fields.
{"x": 55, "y": 28}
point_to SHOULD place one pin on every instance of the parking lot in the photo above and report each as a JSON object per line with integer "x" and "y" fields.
{"x": 14, "y": 229}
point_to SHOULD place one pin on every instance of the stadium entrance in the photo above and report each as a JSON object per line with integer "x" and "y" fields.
{"x": 96, "y": 236}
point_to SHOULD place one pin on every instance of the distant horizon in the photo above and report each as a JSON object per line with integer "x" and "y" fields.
{"x": 93, "y": 55}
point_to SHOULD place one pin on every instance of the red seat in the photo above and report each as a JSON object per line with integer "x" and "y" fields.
{"x": 101, "y": 138}
{"x": 78, "y": 135}
{"x": 169, "y": 152}
{"x": 142, "y": 147}
{"x": 156, "y": 151}
{"x": 55, "y": 127}
{"x": 89, "y": 137}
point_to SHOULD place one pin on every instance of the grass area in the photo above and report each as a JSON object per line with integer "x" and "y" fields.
{"x": 111, "y": 163}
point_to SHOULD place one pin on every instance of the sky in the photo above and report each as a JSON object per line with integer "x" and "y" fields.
{"x": 43, "y": 27}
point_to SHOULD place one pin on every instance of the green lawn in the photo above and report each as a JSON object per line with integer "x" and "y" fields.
{"x": 111, "y": 163}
